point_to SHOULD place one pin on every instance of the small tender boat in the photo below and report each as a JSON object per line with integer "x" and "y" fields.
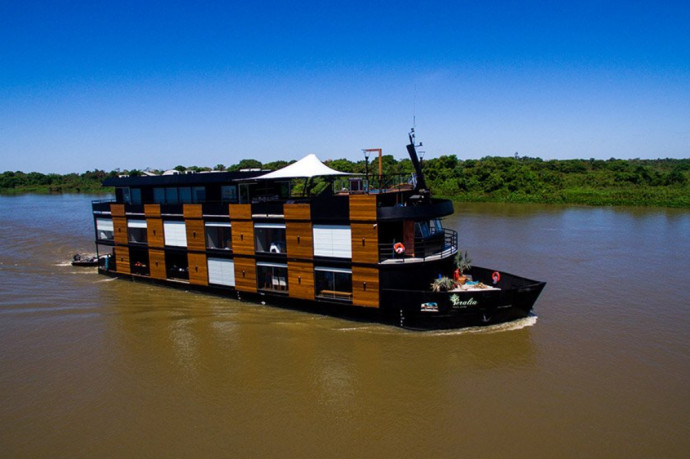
{"x": 84, "y": 260}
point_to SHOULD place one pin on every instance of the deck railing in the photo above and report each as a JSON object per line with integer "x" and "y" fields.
{"x": 442, "y": 245}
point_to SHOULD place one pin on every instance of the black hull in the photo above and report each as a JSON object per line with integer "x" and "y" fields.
{"x": 409, "y": 309}
{"x": 425, "y": 310}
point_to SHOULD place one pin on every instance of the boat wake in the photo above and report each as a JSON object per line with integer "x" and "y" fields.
{"x": 518, "y": 324}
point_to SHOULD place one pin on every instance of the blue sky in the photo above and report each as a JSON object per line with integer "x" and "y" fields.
{"x": 86, "y": 85}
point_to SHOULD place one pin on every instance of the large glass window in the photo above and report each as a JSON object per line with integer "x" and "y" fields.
{"x": 185, "y": 195}
{"x": 136, "y": 231}
{"x": 104, "y": 229}
{"x": 428, "y": 228}
{"x": 171, "y": 195}
{"x": 181, "y": 195}
{"x": 272, "y": 276}
{"x": 333, "y": 283}
{"x": 269, "y": 237}
{"x": 159, "y": 195}
{"x": 244, "y": 193}
{"x": 139, "y": 261}
{"x": 218, "y": 235}
{"x": 198, "y": 194}
{"x": 177, "y": 265}
{"x": 136, "y": 195}
{"x": 228, "y": 193}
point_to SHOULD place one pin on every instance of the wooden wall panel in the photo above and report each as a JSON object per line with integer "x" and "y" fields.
{"x": 301, "y": 280}
{"x": 243, "y": 237}
{"x": 157, "y": 264}
{"x": 122, "y": 260}
{"x": 299, "y": 239}
{"x": 365, "y": 287}
{"x": 297, "y": 211}
{"x": 152, "y": 210}
{"x": 196, "y": 236}
{"x": 154, "y": 232}
{"x": 240, "y": 211}
{"x": 365, "y": 243}
{"x": 363, "y": 207}
{"x": 192, "y": 211}
{"x": 117, "y": 210}
{"x": 198, "y": 272}
{"x": 120, "y": 230}
{"x": 408, "y": 237}
{"x": 245, "y": 274}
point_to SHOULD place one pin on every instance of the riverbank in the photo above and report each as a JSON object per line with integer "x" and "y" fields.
{"x": 612, "y": 182}
{"x": 642, "y": 197}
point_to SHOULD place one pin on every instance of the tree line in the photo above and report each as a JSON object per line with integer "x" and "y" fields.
{"x": 659, "y": 182}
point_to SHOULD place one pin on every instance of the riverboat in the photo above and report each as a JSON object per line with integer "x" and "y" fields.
{"x": 365, "y": 247}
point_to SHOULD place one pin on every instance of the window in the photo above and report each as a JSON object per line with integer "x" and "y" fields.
{"x": 244, "y": 193}
{"x": 177, "y": 265}
{"x": 428, "y": 228}
{"x": 272, "y": 276}
{"x": 185, "y": 195}
{"x": 126, "y": 198}
{"x": 333, "y": 283}
{"x": 332, "y": 241}
{"x": 221, "y": 271}
{"x": 136, "y": 231}
{"x": 269, "y": 237}
{"x": 198, "y": 194}
{"x": 182, "y": 195}
{"x": 218, "y": 236}
{"x": 175, "y": 233}
{"x": 139, "y": 261}
{"x": 171, "y": 195}
{"x": 159, "y": 195}
{"x": 136, "y": 195}
{"x": 228, "y": 193}
{"x": 104, "y": 229}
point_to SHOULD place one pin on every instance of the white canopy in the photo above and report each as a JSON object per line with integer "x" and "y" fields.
{"x": 309, "y": 166}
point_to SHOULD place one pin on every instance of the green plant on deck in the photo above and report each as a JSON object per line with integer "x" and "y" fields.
{"x": 442, "y": 284}
{"x": 463, "y": 262}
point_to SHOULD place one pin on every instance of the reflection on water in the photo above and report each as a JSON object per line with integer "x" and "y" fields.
{"x": 93, "y": 366}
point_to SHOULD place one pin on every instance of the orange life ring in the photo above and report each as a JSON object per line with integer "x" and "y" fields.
{"x": 496, "y": 276}
{"x": 399, "y": 248}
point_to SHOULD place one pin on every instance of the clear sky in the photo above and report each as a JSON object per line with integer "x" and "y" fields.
{"x": 136, "y": 84}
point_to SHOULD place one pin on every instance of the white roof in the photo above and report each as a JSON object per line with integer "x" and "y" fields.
{"x": 309, "y": 166}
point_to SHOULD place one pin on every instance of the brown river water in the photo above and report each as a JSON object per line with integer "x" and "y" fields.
{"x": 98, "y": 367}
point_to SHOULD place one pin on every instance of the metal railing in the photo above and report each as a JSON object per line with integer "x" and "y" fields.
{"x": 442, "y": 245}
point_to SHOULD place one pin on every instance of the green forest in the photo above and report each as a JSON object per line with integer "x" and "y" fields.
{"x": 636, "y": 182}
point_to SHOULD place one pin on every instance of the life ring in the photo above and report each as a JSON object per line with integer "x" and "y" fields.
{"x": 399, "y": 248}
{"x": 496, "y": 276}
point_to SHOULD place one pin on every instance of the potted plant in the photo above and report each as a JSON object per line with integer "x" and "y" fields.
{"x": 462, "y": 263}
{"x": 442, "y": 284}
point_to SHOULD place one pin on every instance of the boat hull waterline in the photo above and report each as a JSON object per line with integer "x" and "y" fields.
{"x": 409, "y": 309}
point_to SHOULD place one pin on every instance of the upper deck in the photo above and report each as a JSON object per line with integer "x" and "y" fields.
{"x": 391, "y": 196}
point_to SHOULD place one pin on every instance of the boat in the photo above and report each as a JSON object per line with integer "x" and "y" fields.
{"x": 360, "y": 246}
{"x": 84, "y": 260}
